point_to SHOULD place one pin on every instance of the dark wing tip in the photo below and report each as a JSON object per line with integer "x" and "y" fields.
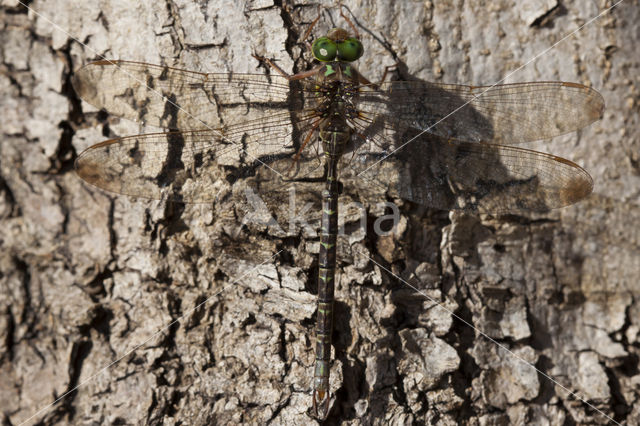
{"x": 576, "y": 189}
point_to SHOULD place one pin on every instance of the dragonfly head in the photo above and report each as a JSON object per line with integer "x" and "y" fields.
{"x": 337, "y": 45}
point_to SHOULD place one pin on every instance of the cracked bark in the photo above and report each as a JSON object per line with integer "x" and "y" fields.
{"x": 86, "y": 277}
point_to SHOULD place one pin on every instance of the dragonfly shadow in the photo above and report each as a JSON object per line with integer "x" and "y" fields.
{"x": 413, "y": 164}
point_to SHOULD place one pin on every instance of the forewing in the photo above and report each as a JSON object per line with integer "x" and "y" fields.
{"x": 506, "y": 114}
{"x": 174, "y": 98}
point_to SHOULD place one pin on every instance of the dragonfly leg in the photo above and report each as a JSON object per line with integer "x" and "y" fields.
{"x": 306, "y": 34}
{"x": 387, "y": 70}
{"x": 306, "y": 140}
{"x": 298, "y": 76}
{"x": 353, "y": 27}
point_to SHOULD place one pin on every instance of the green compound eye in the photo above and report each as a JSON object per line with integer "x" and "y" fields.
{"x": 350, "y": 49}
{"x": 324, "y": 49}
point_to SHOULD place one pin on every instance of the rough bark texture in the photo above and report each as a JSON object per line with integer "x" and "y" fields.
{"x": 88, "y": 278}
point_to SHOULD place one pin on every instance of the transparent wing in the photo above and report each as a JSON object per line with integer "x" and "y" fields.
{"x": 195, "y": 166}
{"x": 246, "y": 121}
{"x": 178, "y": 99}
{"x": 510, "y": 113}
{"x": 258, "y": 120}
{"x": 474, "y": 177}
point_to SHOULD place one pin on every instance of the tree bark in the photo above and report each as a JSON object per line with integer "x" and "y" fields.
{"x": 137, "y": 311}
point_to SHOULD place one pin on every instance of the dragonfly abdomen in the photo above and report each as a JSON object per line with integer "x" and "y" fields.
{"x": 326, "y": 271}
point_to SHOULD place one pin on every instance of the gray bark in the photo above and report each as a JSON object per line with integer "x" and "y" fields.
{"x": 88, "y": 278}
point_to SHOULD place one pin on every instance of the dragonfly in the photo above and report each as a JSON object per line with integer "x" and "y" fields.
{"x": 441, "y": 145}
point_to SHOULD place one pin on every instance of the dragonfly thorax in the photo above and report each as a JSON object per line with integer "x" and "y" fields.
{"x": 338, "y": 71}
{"x": 336, "y": 91}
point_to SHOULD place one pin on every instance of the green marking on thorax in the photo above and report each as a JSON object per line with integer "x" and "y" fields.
{"x": 329, "y": 70}
{"x": 347, "y": 71}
